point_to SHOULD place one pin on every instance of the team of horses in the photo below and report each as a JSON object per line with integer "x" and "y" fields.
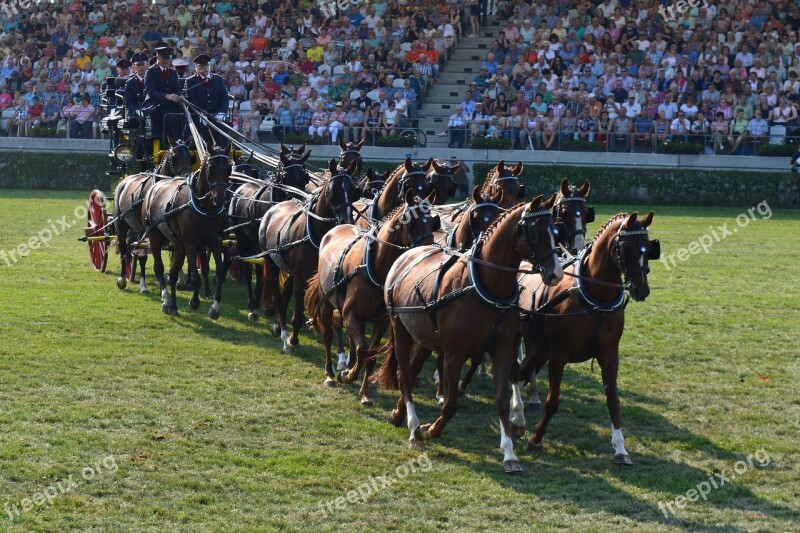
{"x": 356, "y": 248}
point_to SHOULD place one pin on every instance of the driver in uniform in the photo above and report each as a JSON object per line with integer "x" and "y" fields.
{"x": 134, "y": 98}
{"x": 163, "y": 97}
{"x": 208, "y": 92}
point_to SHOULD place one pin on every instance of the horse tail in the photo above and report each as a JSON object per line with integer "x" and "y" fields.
{"x": 386, "y": 376}
{"x": 266, "y": 294}
{"x": 312, "y": 301}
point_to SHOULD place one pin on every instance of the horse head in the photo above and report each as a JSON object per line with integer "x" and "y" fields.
{"x": 293, "y": 153}
{"x": 415, "y": 220}
{"x": 216, "y": 172}
{"x": 292, "y": 170}
{"x": 178, "y": 160}
{"x": 340, "y": 191}
{"x": 482, "y": 212}
{"x": 414, "y": 178}
{"x": 535, "y": 239}
{"x": 572, "y": 215}
{"x": 442, "y": 179}
{"x": 244, "y": 166}
{"x": 632, "y": 249}
{"x": 350, "y": 152}
{"x": 505, "y": 180}
{"x": 373, "y": 182}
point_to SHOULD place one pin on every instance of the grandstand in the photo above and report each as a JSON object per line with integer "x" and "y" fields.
{"x": 699, "y": 77}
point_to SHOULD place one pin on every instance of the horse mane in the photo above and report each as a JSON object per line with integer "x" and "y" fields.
{"x": 392, "y": 213}
{"x": 490, "y": 177}
{"x": 487, "y": 233}
{"x": 615, "y": 218}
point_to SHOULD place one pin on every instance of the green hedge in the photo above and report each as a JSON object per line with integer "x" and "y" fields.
{"x": 54, "y": 171}
{"x": 663, "y": 186}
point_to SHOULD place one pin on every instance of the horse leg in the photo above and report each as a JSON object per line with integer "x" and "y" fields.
{"x": 476, "y": 362}
{"x": 279, "y": 303}
{"x": 246, "y": 274}
{"x": 253, "y": 315}
{"x": 158, "y": 267}
{"x": 142, "y": 282}
{"x": 124, "y": 251}
{"x": 298, "y": 318}
{"x": 356, "y": 330}
{"x": 451, "y": 369}
{"x": 550, "y": 406}
{"x": 222, "y": 272}
{"x": 402, "y": 353}
{"x": 609, "y": 365}
{"x": 205, "y": 267}
{"x": 517, "y": 406}
{"x": 504, "y": 368}
{"x": 194, "y": 302}
{"x": 341, "y": 364}
{"x": 177, "y": 265}
{"x": 437, "y": 380}
{"x": 378, "y": 329}
{"x": 325, "y": 319}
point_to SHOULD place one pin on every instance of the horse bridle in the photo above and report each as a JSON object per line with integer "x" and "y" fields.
{"x": 204, "y": 167}
{"x": 619, "y": 250}
{"x": 246, "y": 169}
{"x": 405, "y": 179}
{"x": 526, "y": 225}
{"x": 337, "y": 208}
{"x": 473, "y": 211}
{"x": 425, "y": 210}
{"x": 561, "y": 223}
{"x": 520, "y": 191}
{"x": 171, "y": 154}
{"x": 450, "y": 177}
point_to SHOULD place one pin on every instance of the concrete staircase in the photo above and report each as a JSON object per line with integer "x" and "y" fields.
{"x": 462, "y": 66}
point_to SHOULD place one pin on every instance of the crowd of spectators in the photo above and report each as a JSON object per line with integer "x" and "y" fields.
{"x": 309, "y": 65}
{"x": 635, "y": 75}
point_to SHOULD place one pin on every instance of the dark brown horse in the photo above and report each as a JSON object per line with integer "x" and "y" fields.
{"x": 460, "y": 305}
{"x": 249, "y": 204}
{"x": 289, "y": 237}
{"x": 572, "y": 215}
{"x": 191, "y": 215}
{"x": 128, "y": 198}
{"x": 373, "y": 182}
{"x": 583, "y": 316}
{"x": 353, "y": 265}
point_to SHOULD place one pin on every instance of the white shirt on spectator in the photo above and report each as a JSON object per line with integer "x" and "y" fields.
{"x": 633, "y": 109}
{"x": 371, "y": 21}
{"x": 670, "y": 109}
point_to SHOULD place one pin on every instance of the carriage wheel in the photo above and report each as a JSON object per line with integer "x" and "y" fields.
{"x": 96, "y": 219}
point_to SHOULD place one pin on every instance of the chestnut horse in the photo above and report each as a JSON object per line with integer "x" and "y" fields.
{"x": 128, "y": 198}
{"x": 572, "y": 215}
{"x": 584, "y": 317}
{"x": 353, "y": 265}
{"x": 289, "y": 237}
{"x": 191, "y": 215}
{"x": 372, "y": 183}
{"x": 249, "y": 204}
{"x": 408, "y": 176}
{"x": 460, "y": 305}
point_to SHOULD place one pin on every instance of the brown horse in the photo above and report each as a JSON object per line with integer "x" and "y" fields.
{"x": 460, "y": 305}
{"x": 408, "y": 176}
{"x": 352, "y": 269}
{"x": 372, "y": 183}
{"x": 584, "y": 317}
{"x": 128, "y": 198}
{"x": 289, "y": 236}
{"x": 249, "y": 204}
{"x": 191, "y": 215}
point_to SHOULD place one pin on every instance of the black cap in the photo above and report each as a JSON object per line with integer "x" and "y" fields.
{"x": 139, "y": 57}
{"x": 164, "y": 51}
{"x": 202, "y": 59}
{"x": 123, "y": 63}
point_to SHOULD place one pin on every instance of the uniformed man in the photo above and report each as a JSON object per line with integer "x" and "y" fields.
{"x": 134, "y": 98}
{"x": 163, "y": 99}
{"x": 123, "y": 68}
{"x": 208, "y": 92}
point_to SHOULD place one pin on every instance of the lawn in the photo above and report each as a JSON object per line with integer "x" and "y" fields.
{"x": 116, "y": 417}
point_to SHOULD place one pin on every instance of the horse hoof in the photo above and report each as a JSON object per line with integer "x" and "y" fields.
{"x": 395, "y": 419}
{"x": 208, "y": 296}
{"x": 329, "y": 382}
{"x": 287, "y": 348}
{"x": 341, "y": 376}
{"x": 213, "y": 314}
{"x": 512, "y": 467}
{"x": 462, "y": 389}
{"x": 175, "y": 312}
{"x": 143, "y": 290}
{"x": 166, "y": 309}
{"x": 517, "y": 431}
{"x": 194, "y": 304}
{"x": 122, "y": 283}
{"x": 440, "y": 401}
{"x": 535, "y": 447}
{"x": 252, "y": 316}
{"x": 532, "y": 407}
{"x": 275, "y": 329}
{"x": 623, "y": 459}
{"x": 416, "y": 444}
{"x": 366, "y": 402}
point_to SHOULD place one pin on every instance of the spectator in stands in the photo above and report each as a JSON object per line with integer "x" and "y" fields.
{"x": 302, "y": 118}
{"x": 736, "y": 133}
{"x": 456, "y": 128}
{"x": 338, "y": 121}
{"x": 83, "y": 118}
{"x": 6, "y": 98}
{"x": 642, "y": 132}
{"x": 34, "y": 118}
{"x": 757, "y": 132}
{"x": 679, "y": 128}
{"x": 622, "y": 128}
{"x": 372, "y": 123}
{"x": 718, "y": 129}
{"x": 320, "y": 122}
{"x": 550, "y": 125}
{"x": 354, "y": 121}
{"x": 19, "y": 118}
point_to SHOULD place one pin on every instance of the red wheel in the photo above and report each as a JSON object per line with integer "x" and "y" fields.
{"x": 233, "y": 271}
{"x": 96, "y": 220}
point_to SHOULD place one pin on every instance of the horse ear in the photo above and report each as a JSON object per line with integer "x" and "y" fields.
{"x": 282, "y": 157}
{"x": 385, "y": 175}
{"x": 170, "y": 140}
{"x": 427, "y": 165}
{"x": 551, "y": 201}
{"x": 409, "y": 197}
{"x": 630, "y": 220}
{"x": 332, "y": 166}
{"x": 431, "y": 199}
{"x": 250, "y": 159}
{"x": 565, "y": 187}
{"x": 646, "y": 221}
{"x": 370, "y": 173}
{"x": 517, "y": 170}
{"x": 409, "y": 165}
{"x": 585, "y": 189}
{"x": 283, "y": 149}
{"x": 302, "y": 148}
{"x": 305, "y": 157}
{"x": 476, "y": 194}
{"x": 359, "y": 144}
{"x": 501, "y": 165}
{"x": 342, "y": 146}
{"x": 535, "y": 203}
{"x": 454, "y": 167}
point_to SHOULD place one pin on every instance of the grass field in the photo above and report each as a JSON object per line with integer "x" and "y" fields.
{"x": 194, "y": 425}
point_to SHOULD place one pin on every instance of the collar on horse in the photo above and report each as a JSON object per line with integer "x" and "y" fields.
{"x": 608, "y": 307}
{"x": 562, "y": 226}
{"x": 194, "y": 200}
